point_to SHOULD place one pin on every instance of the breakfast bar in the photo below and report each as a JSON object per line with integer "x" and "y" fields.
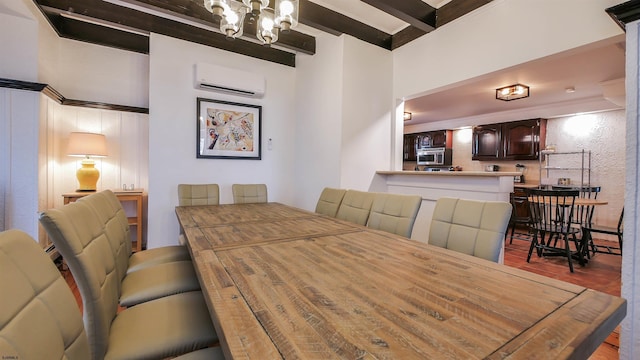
{"x": 284, "y": 283}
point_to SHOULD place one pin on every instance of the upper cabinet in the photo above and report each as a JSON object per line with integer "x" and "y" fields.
{"x": 516, "y": 140}
{"x": 409, "y": 147}
{"x": 431, "y": 139}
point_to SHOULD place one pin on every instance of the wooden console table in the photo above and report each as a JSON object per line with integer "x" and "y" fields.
{"x": 124, "y": 196}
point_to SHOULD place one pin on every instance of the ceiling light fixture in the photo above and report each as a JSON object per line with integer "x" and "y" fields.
{"x": 407, "y": 116}
{"x": 269, "y": 22}
{"x": 512, "y": 92}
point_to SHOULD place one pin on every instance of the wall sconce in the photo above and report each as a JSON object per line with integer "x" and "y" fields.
{"x": 512, "y": 92}
{"x": 86, "y": 145}
{"x": 406, "y": 116}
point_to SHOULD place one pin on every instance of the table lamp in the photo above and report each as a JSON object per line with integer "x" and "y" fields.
{"x": 87, "y": 145}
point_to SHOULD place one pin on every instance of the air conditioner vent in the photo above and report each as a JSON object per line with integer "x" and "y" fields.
{"x": 228, "y": 80}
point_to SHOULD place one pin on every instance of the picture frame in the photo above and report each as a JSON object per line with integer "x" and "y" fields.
{"x": 228, "y": 130}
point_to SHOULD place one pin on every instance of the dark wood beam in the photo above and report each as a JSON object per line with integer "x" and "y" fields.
{"x": 625, "y": 13}
{"x": 456, "y": 9}
{"x": 195, "y": 12}
{"x": 97, "y": 34}
{"x": 415, "y": 12}
{"x": 405, "y": 36}
{"x": 337, "y": 24}
{"x": 110, "y": 13}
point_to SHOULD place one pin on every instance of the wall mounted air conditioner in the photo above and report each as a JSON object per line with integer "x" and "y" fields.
{"x": 228, "y": 80}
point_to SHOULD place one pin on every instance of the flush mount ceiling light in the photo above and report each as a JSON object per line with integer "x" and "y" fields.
{"x": 269, "y": 22}
{"x": 406, "y": 116}
{"x": 512, "y": 92}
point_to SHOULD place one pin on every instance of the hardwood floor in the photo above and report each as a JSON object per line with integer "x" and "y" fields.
{"x": 602, "y": 274}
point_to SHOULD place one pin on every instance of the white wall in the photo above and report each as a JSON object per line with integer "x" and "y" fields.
{"x": 19, "y": 124}
{"x": 366, "y": 113}
{"x": 497, "y": 36}
{"x": 98, "y": 73}
{"x": 318, "y": 139}
{"x": 629, "y": 344}
{"x": 172, "y": 131}
{"x": 18, "y": 41}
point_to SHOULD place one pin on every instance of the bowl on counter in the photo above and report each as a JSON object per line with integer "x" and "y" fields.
{"x": 491, "y": 168}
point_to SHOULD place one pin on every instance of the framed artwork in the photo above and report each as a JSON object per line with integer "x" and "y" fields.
{"x": 228, "y": 130}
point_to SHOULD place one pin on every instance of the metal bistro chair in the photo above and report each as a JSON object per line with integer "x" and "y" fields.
{"x": 604, "y": 249}
{"x": 552, "y": 214}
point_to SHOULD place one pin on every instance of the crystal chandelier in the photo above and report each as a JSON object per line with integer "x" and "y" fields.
{"x": 269, "y": 22}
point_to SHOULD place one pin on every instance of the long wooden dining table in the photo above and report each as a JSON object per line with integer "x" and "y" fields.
{"x": 285, "y": 283}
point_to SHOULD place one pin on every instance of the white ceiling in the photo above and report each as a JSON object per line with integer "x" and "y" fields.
{"x": 596, "y": 72}
{"x": 473, "y": 102}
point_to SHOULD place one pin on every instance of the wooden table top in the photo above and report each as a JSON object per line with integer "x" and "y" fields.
{"x": 356, "y": 293}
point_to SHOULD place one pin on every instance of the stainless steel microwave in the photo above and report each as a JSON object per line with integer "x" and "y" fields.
{"x": 434, "y": 156}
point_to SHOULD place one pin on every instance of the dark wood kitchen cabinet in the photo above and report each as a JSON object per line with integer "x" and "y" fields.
{"x": 441, "y": 139}
{"x": 522, "y": 139}
{"x": 486, "y": 142}
{"x": 409, "y": 147}
{"x": 516, "y": 140}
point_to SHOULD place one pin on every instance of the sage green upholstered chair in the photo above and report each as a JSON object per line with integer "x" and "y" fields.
{"x": 394, "y": 213}
{"x": 168, "y": 326}
{"x": 355, "y": 206}
{"x": 140, "y": 259}
{"x": 38, "y": 302}
{"x": 198, "y": 194}
{"x": 329, "y": 201}
{"x": 39, "y": 317}
{"x": 153, "y": 280}
{"x": 249, "y": 193}
{"x": 471, "y": 227}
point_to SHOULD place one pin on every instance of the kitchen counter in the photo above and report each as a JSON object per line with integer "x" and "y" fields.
{"x": 453, "y": 173}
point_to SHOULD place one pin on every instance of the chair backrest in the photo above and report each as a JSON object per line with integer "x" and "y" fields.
{"x": 39, "y": 317}
{"x": 470, "y": 226}
{"x": 356, "y": 206}
{"x": 249, "y": 193}
{"x": 394, "y": 213}
{"x": 86, "y": 233}
{"x": 198, "y": 194}
{"x": 329, "y": 201}
{"x": 552, "y": 210}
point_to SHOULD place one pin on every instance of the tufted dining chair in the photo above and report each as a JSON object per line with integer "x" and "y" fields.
{"x": 36, "y": 301}
{"x": 471, "y": 227}
{"x": 198, "y": 194}
{"x": 39, "y": 317}
{"x": 329, "y": 201}
{"x": 394, "y": 213}
{"x": 356, "y": 206}
{"x": 249, "y": 193}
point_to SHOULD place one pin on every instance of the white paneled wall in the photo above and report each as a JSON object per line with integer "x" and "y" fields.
{"x": 18, "y": 160}
{"x": 127, "y": 146}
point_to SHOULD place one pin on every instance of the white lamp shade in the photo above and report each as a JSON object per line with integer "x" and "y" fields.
{"x": 87, "y": 144}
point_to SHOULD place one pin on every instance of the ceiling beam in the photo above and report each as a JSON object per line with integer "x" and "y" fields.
{"x": 457, "y": 8}
{"x": 415, "y": 12}
{"x": 190, "y": 12}
{"x": 128, "y": 18}
{"x": 624, "y": 13}
{"x": 321, "y": 18}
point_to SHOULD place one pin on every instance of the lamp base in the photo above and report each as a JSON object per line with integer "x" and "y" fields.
{"x": 87, "y": 176}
